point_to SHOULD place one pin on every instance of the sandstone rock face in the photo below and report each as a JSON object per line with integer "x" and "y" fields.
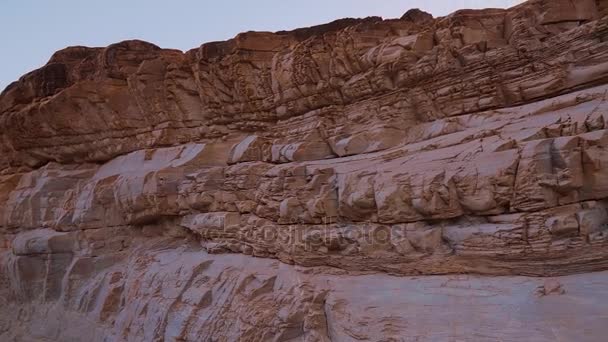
{"x": 412, "y": 179}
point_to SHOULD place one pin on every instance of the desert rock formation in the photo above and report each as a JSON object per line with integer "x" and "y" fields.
{"x": 413, "y": 179}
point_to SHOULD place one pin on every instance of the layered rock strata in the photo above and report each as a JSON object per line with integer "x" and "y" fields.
{"x": 272, "y": 186}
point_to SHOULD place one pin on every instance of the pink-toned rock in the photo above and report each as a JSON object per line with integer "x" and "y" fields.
{"x": 338, "y": 182}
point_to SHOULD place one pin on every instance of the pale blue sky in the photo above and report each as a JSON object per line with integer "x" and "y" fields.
{"x": 30, "y": 31}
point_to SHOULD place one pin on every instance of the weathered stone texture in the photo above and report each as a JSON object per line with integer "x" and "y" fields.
{"x": 464, "y": 155}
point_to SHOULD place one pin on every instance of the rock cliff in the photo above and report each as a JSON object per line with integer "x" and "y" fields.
{"x": 410, "y": 179}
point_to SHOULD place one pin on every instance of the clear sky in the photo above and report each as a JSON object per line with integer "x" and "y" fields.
{"x": 31, "y": 30}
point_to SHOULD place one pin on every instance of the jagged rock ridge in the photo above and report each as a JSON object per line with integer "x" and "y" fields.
{"x": 420, "y": 146}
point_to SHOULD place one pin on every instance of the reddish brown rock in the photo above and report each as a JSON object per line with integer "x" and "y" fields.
{"x": 473, "y": 143}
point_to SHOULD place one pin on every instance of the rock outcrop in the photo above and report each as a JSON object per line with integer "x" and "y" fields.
{"x": 410, "y": 179}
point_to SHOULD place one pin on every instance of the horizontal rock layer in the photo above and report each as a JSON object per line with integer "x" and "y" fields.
{"x": 164, "y": 291}
{"x": 468, "y": 144}
{"x": 511, "y": 191}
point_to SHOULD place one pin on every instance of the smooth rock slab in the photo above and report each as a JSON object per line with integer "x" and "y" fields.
{"x": 186, "y": 290}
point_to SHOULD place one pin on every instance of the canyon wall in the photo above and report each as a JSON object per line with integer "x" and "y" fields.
{"x": 409, "y": 179}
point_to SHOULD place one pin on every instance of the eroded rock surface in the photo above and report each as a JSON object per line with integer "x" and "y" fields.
{"x": 348, "y": 181}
